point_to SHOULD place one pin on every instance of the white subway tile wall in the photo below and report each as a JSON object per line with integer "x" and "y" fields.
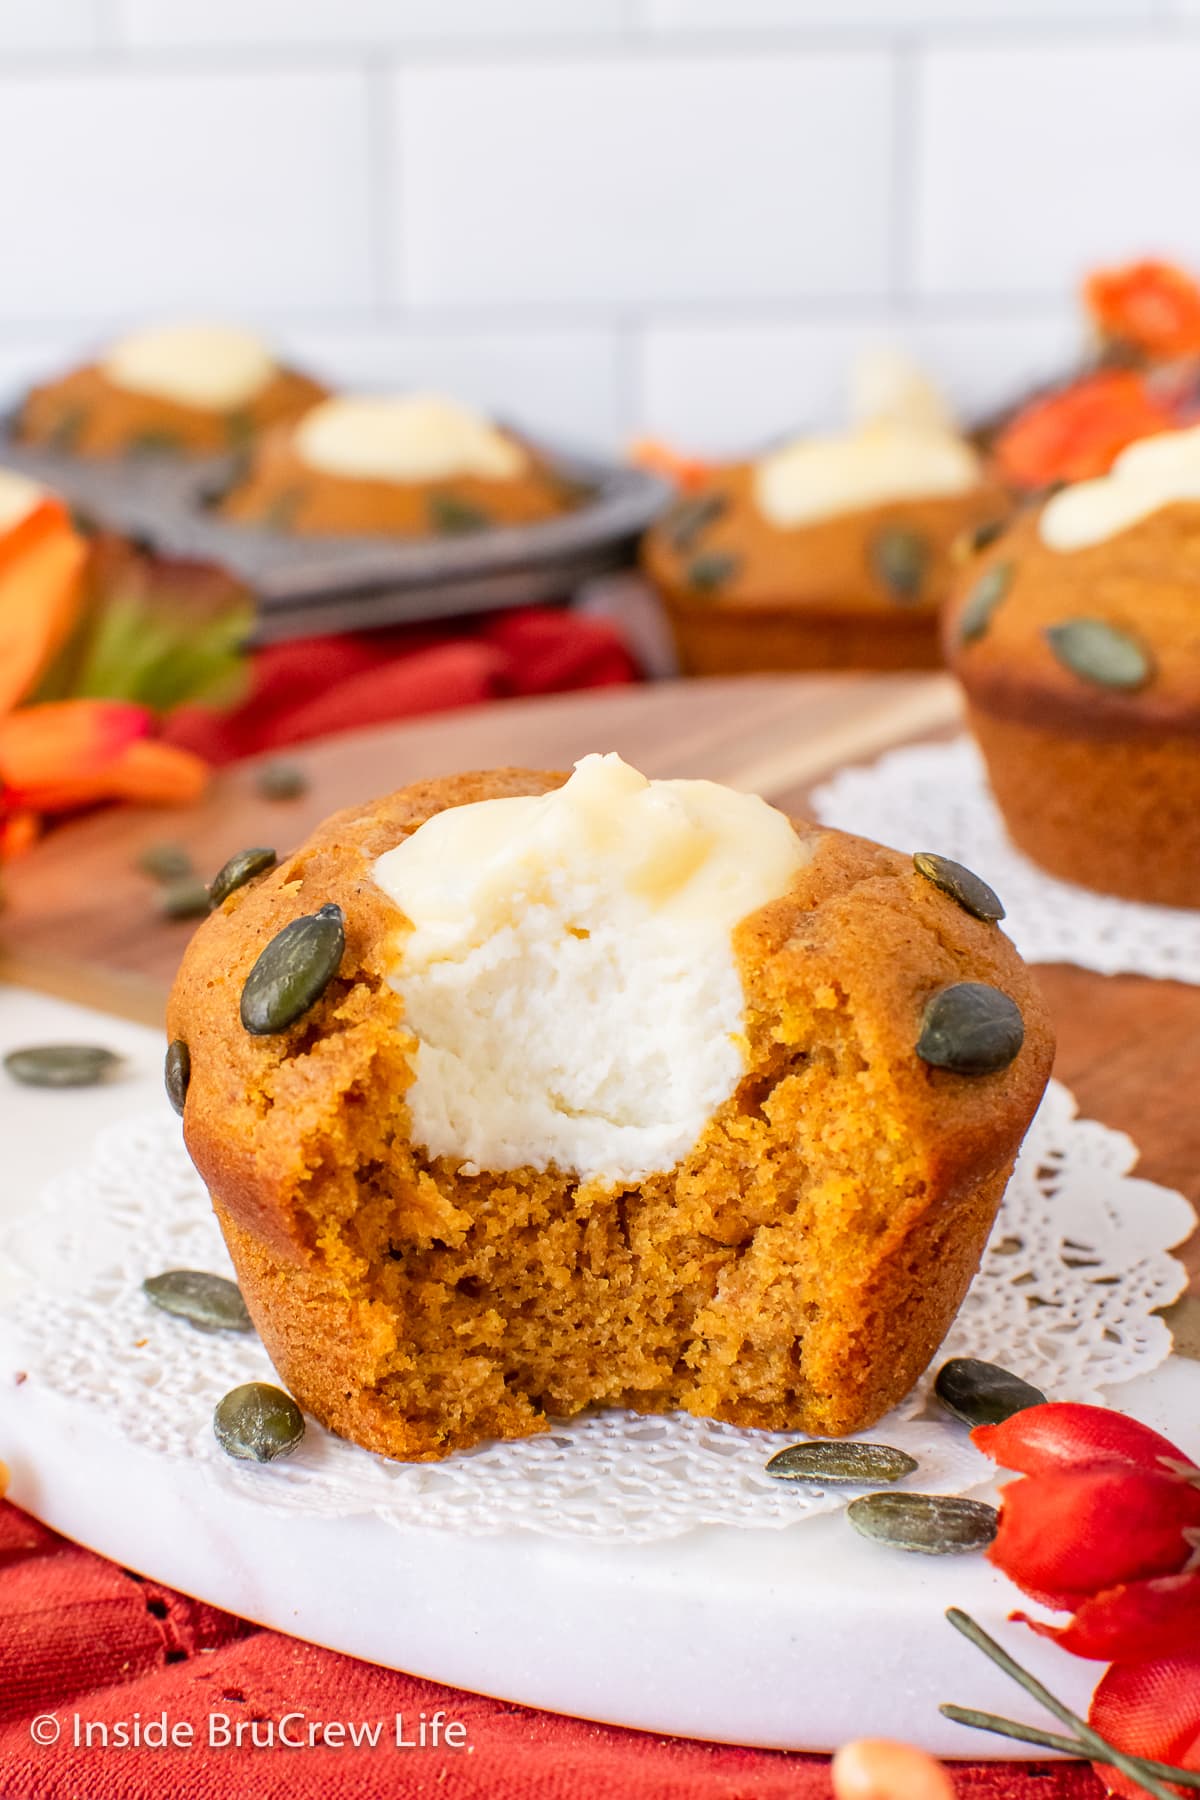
{"x": 597, "y": 217}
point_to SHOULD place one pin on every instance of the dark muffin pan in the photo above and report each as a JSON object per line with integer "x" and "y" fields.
{"x": 317, "y": 583}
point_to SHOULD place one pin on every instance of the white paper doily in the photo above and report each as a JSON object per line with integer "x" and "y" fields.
{"x": 1076, "y": 1266}
{"x": 936, "y": 797}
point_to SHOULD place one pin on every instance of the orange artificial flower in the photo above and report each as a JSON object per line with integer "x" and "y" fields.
{"x": 70, "y": 753}
{"x": 61, "y": 754}
{"x": 1151, "y": 306}
{"x": 1078, "y": 433}
{"x": 41, "y": 578}
{"x": 687, "y": 473}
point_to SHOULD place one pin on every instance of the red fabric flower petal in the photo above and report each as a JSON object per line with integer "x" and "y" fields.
{"x": 1064, "y": 1536}
{"x": 1149, "y": 1709}
{"x": 1059, "y": 1435}
{"x": 1134, "y": 1622}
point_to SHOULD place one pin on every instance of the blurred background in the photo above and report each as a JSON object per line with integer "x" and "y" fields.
{"x": 603, "y": 217}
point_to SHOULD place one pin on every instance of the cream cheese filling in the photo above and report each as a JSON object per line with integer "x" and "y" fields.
{"x": 418, "y": 437}
{"x": 567, "y": 967}
{"x": 1150, "y": 474}
{"x": 215, "y": 368}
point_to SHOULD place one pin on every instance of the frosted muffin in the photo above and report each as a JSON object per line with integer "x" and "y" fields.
{"x": 1077, "y": 640}
{"x": 416, "y": 466}
{"x": 189, "y": 390}
{"x": 558, "y": 1093}
{"x": 831, "y": 552}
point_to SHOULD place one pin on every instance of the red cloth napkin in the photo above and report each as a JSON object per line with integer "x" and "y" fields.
{"x": 313, "y": 687}
{"x": 79, "y": 1636}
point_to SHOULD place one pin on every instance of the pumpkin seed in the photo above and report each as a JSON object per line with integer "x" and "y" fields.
{"x": 280, "y": 513}
{"x": 293, "y": 971}
{"x": 68, "y": 428}
{"x": 931, "y": 1524}
{"x": 237, "y": 872}
{"x": 1097, "y": 651}
{"x": 978, "y": 538}
{"x": 257, "y": 1422}
{"x": 971, "y": 893}
{"x": 451, "y": 517}
{"x": 187, "y": 899}
{"x": 177, "y": 1073}
{"x": 899, "y": 558}
{"x": 209, "y": 1302}
{"x": 155, "y": 442}
{"x": 708, "y": 572}
{"x": 971, "y": 1028}
{"x": 982, "y": 602}
{"x": 982, "y": 1393}
{"x": 280, "y": 780}
{"x": 164, "y": 862}
{"x": 62, "y": 1065}
{"x": 830, "y": 1463}
{"x": 239, "y": 430}
{"x": 686, "y": 522}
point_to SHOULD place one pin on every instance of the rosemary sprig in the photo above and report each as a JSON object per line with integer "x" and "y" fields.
{"x": 1086, "y": 1742}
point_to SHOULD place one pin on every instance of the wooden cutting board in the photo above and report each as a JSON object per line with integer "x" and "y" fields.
{"x": 81, "y": 920}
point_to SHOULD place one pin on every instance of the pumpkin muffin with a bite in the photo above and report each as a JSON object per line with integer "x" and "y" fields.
{"x": 518, "y": 1094}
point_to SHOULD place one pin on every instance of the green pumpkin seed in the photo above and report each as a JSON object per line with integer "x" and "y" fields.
{"x": 164, "y": 862}
{"x": 239, "y": 431}
{"x": 982, "y": 602}
{"x": 1097, "y": 651}
{"x": 982, "y": 1393}
{"x": 155, "y": 443}
{"x": 293, "y": 971}
{"x": 451, "y": 517}
{"x": 62, "y": 1065}
{"x": 971, "y": 893}
{"x": 209, "y": 1302}
{"x": 68, "y": 428}
{"x": 711, "y": 571}
{"x": 830, "y": 1463}
{"x": 237, "y": 872}
{"x": 931, "y": 1524}
{"x": 977, "y": 539}
{"x": 280, "y": 780}
{"x": 187, "y": 899}
{"x": 257, "y": 1422}
{"x": 899, "y": 558}
{"x": 280, "y": 513}
{"x": 686, "y": 523}
{"x": 971, "y": 1028}
{"x": 177, "y": 1073}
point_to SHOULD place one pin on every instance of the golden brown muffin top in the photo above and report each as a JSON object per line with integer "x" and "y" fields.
{"x": 717, "y": 546}
{"x": 84, "y": 413}
{"x": 1103, "y": 640}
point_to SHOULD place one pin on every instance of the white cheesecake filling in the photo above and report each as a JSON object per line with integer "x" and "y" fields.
{"x": 421, "y": 437}
{"x": 18, "y": 497}
{"x": 903, "y": 446}
{"x": 569, "y": 972}
{"x": 213, "y": 367}
{"x": 819, "y": 478}
{"x": 1151, "y": 474}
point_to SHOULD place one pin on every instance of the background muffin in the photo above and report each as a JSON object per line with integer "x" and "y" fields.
{"x": 412, "y": 467}
{"x": 827, "y": 552}
{"x": 178, "y": 389}
{"x": 1077, "y": 639}
{"x": 428, "y": 1268}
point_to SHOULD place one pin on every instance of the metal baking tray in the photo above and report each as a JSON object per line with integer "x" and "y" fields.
{"x": 315, "y": 583}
